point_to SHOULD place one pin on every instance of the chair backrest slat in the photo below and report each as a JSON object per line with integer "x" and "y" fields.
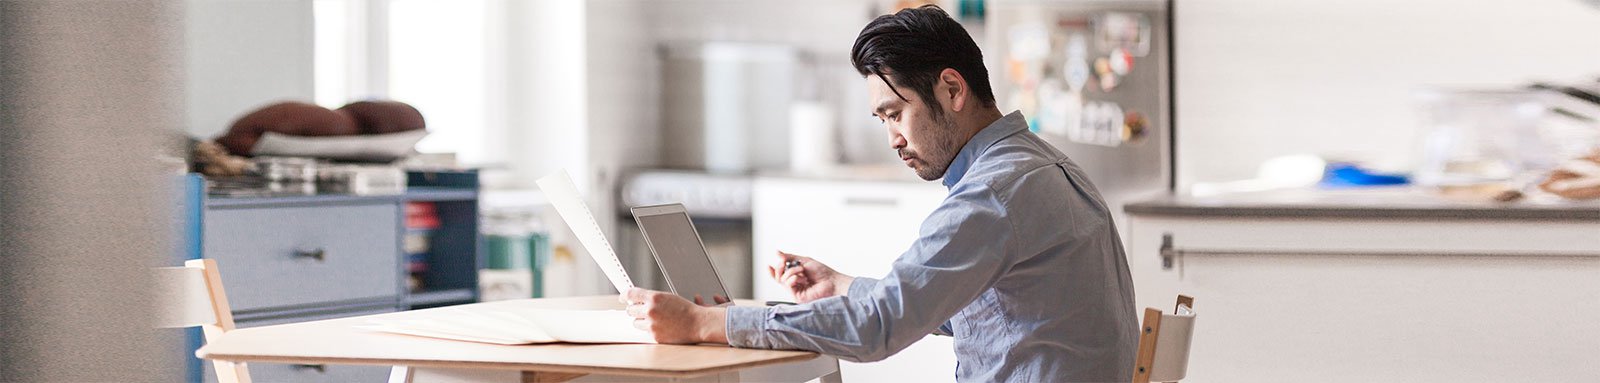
{"x": 1164, "y": 343}
{"x": 192, "y": 295}
{"x": 1171, "y": 362}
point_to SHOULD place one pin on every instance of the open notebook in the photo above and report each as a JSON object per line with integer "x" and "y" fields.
{"x": 514, "y": 325}
{"x": 521, "y": 325}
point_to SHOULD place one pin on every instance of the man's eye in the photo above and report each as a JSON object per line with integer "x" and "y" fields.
{"x": 895, "y": 117}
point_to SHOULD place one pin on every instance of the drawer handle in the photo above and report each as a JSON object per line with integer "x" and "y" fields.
{"x": 318, "y": 254}
{"x": 1167, "y": 252}
{"x": 319, "y": 368}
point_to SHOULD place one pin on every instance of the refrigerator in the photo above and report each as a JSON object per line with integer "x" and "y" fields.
{"x": 1094, "y": 78}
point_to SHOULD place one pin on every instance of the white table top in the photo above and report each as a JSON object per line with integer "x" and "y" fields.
{"x": 339, "y": 341}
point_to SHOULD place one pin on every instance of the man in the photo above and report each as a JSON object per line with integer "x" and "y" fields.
{"x": 1021, "y": 263}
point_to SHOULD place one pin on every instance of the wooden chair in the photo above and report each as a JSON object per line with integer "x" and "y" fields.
{"x": 192, "y": 295}
{"x": 1164, "y": 343}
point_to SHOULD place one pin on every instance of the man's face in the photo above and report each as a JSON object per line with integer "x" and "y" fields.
{"x": 925, "y": 142}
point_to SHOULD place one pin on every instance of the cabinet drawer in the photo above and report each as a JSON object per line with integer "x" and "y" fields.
{"x": 271, "y": 372}
{"x": 857, "y": 228}
{"x": 283, "y": 257}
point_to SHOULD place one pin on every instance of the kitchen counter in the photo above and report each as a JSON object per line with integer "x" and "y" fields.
{"x": 1383, "y": 284}
{"x": 871, "y": 173}
{"x": 1370, "y": 203}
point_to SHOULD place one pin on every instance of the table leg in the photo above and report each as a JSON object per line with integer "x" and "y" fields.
{"x": 832, "y": 377}
{"x": 400, "y": 374}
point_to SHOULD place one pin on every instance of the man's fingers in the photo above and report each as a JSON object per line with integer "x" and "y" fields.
{"x": 720, "y": 299}
{"x": 636, "y": 294}
{"x": 642, "y": 324}
{"x": 795, "y": 281}
{"x": 790, "y": 273}
{"x": 698, "y": 300}
{"x": 636, "y": 311}
{"x": 778, "y": 267}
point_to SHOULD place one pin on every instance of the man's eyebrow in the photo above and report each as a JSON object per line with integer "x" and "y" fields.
{"x": 881, "y": 106}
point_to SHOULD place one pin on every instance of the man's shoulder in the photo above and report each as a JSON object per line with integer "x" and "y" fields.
{"x": 1014, "y": 160}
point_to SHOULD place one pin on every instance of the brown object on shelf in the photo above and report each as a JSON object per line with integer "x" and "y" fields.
{"x": 214, "y": 161}
{"x": 292, "y": 118}
{"x": 1509, "y": 196}
{"x": 1560, "y": 182}
{"x": 381, "y": 117}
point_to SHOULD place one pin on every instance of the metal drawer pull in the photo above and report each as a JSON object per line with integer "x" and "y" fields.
{"x": 1167, "y": 252}
{"x": 1171, "y": 254}
{"x": 317, "y": 254}
{"x": 319, "y": 368}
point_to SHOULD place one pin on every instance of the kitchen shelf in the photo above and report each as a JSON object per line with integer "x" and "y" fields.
{"x": 440, "y": 297}
{"x": 297, "y": 200}
{"x": 439, "y": 194}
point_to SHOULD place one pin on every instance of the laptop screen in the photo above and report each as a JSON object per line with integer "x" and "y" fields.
{"x": 683, "y": 259}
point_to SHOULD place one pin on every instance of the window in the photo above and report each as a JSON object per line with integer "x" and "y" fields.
{"x": 435, "y": 55}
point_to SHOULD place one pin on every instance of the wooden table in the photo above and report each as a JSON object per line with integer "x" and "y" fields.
{"x": 339, "y": 341}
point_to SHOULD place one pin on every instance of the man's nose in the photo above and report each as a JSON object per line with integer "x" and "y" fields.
{"x": 896, "y": 140}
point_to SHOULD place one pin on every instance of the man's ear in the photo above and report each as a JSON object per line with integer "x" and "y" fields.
{"x": 955, "y": 88}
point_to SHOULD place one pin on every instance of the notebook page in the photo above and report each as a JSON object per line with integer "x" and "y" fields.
{"x": 563, "y": 194}
{"x": 587, "y": 326}
{"x": 516, "y": 326}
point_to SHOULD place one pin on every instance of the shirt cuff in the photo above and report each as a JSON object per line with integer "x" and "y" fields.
{"x": 747, "y": 326}
{"x": 861, "y": 288}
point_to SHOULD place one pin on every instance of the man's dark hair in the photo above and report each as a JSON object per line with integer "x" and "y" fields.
{"x": 913, "y": 46}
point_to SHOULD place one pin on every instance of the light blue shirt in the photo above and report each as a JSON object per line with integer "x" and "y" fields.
{"x": 1021, "y": 263}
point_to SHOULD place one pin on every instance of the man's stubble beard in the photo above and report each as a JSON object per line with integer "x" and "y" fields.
{"x": 943, "y": 151}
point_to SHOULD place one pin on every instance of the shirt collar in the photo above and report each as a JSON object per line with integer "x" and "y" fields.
{"x": 999, "y": 129}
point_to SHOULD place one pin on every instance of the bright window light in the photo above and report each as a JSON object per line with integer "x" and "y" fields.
{"x": 437, "y": 63}
{"x": 332, "y": 54}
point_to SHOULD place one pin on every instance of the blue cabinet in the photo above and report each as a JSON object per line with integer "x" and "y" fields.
{"x": 298, "y": 258}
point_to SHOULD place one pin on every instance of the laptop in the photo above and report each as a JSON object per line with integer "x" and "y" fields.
{"x": 679, "y": 251}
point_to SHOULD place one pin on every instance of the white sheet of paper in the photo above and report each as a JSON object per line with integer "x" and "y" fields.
{"x": 515, "y": 326}
{"x": 563, "y": 194}
{"x": 588, "y": 326}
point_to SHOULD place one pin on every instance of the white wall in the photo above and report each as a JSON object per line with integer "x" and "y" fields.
{"x": 243, "y": 54}
{"x": 823, "y": 30}
{"x": 1258, "y": 79}
{"x": 587, "y": 86}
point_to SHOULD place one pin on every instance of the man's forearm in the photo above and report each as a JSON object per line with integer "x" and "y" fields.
{"x": 713, "y": 321}
{"x": 713, "y": 324}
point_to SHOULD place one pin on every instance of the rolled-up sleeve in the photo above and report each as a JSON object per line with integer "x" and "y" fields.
{"x": 960, "y": 253}
{"x": 862, "y": 289}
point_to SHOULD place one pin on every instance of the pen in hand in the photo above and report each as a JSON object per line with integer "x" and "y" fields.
{"x": 789, "y": 264}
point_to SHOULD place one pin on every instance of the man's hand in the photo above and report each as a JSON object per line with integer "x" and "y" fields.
{"x": 674, "y": 320}
{"x": 808, "y": 279}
